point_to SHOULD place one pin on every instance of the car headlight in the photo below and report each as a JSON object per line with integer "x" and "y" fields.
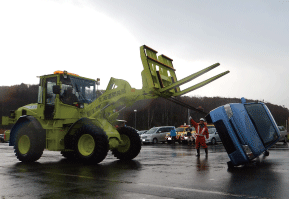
{"x": 248, "y": 151}
{"x": 228, "y": 110}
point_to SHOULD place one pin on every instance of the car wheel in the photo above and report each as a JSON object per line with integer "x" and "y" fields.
{"x": 155, "y": 141}
{"x": 213, "y": 141}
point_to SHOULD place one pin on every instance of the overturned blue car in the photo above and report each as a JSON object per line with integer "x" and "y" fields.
{"x": 246, "y": 129}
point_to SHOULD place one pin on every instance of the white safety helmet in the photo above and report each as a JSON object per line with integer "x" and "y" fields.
{"x": 202, "y": 119}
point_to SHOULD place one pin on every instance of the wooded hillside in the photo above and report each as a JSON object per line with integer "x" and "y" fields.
{"x": 149, "y": 113}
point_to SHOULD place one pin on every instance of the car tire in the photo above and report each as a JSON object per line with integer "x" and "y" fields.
{"x": 213, "y": 141}
{"x": 155, "y": 141}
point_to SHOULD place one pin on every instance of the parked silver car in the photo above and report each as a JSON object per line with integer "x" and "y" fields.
{"x": 156, "y": 134}
{"x": 213, "y": 136}
{"x": 283, "y": 133}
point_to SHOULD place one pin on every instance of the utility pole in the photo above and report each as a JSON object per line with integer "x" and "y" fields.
{"x": 135, "y": 118}
{"x": 188, "y": 117}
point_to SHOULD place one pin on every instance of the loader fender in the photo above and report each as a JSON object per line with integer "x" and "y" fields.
{"x": 73, "y": 128}
{"x": 37, "y": 128}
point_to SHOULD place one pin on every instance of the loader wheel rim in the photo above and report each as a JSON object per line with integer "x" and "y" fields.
{"x": 125, "y": 146}
{"x": 24, "y": 144}
{"x": 86, "y": 145}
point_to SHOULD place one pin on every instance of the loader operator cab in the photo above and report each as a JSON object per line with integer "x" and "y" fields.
{"x": 69, "y": 88}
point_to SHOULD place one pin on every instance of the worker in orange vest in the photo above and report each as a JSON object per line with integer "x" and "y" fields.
{"x": 202, "y": 134}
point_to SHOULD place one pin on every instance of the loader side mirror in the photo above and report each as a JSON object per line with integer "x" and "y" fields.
{"x": 56, "y": 89}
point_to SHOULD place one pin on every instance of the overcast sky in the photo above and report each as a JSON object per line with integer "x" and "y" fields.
{"x": 101, "y": 39}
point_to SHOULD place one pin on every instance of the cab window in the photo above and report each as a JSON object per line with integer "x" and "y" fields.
{"x": 50, "y": 96}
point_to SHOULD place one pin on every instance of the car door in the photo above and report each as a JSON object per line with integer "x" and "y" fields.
{"x": 160, "y": 135}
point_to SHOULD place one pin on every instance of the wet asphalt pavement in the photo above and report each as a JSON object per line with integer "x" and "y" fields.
{"x": 159, "y": 171}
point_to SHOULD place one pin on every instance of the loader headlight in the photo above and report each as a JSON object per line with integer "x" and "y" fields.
{"x": 228, "y": 110}
{"x": 248, "y": 151}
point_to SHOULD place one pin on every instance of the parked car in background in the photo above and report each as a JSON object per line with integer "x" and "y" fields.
{"x": 156, "y": 134}
{"x": 180, "y": 131}
{"x": 209, "y": 126}
{"x": 142, "y": 132}
{"x": 213, "y": 136}
{"x": 184, "y": 137}
{"x": 283, "y": 134}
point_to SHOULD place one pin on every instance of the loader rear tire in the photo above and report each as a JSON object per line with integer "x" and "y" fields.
{"x": 27, "y": 147}
{"x": 131, "y": 144}
{"x": 90, "y": 144}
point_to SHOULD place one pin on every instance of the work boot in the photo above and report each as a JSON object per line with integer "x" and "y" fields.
{"x": 198, "y": 153}
{"x": 206, "y": 151}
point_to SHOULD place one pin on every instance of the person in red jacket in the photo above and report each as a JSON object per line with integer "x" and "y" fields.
{"x": 201, "y": 133}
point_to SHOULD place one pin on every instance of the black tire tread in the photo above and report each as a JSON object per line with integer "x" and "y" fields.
{"x": 135, "y": 144}
{"x": 36, "y": 149}
{"x": 101, "y": 144}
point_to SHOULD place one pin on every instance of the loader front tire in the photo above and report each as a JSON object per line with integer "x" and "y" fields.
{"x": 27, "y": 147}
{"x": 90, "y": 144}
{"x": 131, "y": 145}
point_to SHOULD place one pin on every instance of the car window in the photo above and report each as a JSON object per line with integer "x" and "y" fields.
{"x": 169, "y": 129}
{"x": 180, "y": 129}
{"x": 212, "y": 130}
{"x": 152, "y": 130}
{"x": 160, "y": 130}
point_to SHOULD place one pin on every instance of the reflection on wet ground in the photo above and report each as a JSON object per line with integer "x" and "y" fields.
{"x": 161, "y": 170}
